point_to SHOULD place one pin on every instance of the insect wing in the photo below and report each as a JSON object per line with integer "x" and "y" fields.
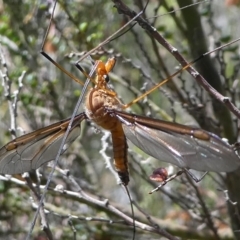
{"x": 184, "y": 151}
{"x": 30, "y": 151}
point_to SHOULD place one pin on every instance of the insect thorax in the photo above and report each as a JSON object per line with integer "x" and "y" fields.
{"x": 96, "y": 104}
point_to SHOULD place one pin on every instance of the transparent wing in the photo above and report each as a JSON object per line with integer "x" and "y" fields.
{"x": 30, "y": 151}
{"x": 184, "y": 151}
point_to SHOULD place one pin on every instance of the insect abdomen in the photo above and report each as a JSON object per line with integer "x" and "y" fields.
{"x": 120, "y": 153}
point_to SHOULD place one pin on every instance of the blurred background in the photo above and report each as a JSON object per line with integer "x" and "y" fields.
{"x": 34, "y": 94}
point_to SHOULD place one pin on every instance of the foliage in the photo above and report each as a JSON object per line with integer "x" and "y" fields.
{"x": 181, "y": 207}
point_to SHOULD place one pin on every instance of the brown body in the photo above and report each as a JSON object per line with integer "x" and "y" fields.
{"x": 97, "y": 100}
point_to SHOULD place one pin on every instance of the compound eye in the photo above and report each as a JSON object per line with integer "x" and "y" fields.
{"x": 106, "y": 77}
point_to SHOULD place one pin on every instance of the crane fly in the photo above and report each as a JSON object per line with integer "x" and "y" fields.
{"x": 183, "y": 146}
